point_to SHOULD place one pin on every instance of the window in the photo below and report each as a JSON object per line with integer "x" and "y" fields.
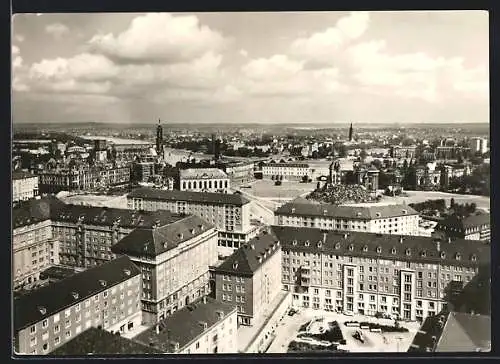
{"x": 57, "y": 340}
{"x": 33, "y": 329}
{"x": 67, "y": 313}
{"x": 77, "y": 307}
{"x": 68, "y": 334}
{"x": 45, "y": 323}
{"x": 198, "y": 345}
{"x": 33, "y": 341}
{"x": 57, "y": 328}
{"x": 56, "y": 318}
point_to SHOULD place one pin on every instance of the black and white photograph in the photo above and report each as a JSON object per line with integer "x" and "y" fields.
{"x": 250, "y": 183}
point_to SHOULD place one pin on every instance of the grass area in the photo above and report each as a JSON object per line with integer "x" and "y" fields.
{"x": 333, "y": 334}
{"x": 296, "y": 346}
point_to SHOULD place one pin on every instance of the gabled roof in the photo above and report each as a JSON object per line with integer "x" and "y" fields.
{"x": 101, "y": 342}
{"x": 474, "y": 220}
{"x": 35, "y": 211}
{"x": 251, "y": 256}
{"x": 48, "y": 300}
{"x": 22, "y": 175}
{"x": 148, "y": 193}
{"x": 300, "y": 208}
{"x": 152, "y": 241}
{"x": 185, "y": 325}
{"x": 386, "y": 246}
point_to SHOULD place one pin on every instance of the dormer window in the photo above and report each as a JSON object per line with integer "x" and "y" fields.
{"x": 103, "y": 282}
{"x": 359, "y": 214}
{"x": 473, "y": 258}
{"x": 180, "y": 236}
{"x": 320, "y": 244}
{"x": 306, "y": 243}
{"x": 379, "y": 249}
{"x": 458, "y": 256}
{"x": 378, "y": 214}
{"x": 351, "y": 247}
{"x": 294, "y": 242}
{"x": 127, "y": 272}
{"x": 405, "y": 212}
{"x": 75, "y": 295}
{"x": 423, "y": 254}
{"x": 337, "y": 246}
{"x": 443, "y": 255}
{"x": 42, "y": 310}
{"x": 408, "y": 252}
{"x": 365, "y": 248}
{"x": 393, "y": 251}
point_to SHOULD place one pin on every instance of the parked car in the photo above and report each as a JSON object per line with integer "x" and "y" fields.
{"x": 358, "y": 335}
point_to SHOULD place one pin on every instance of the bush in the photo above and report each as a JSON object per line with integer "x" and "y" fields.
{"x": 333, "y": 334}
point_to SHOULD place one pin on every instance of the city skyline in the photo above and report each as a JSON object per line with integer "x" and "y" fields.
{"x": 252, "y": 67}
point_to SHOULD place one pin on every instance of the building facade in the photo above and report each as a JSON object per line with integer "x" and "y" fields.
{"x": 398, "y": 151}
{"x": 106, "y": 297}
{"x": 204, "y": 180}
{"x": 24, "y": 186}
{"x": 250, "y": 279}
{"x": 206, "y": 326}
{"x": 173, "y": 259}
{"x": 406, "y": 277}
{"x": 478, "y": 145}
{"x": 390, "y": 219}
{"x": 285, "y": 171}
{"x": 476, "y": 226}
{"x": 230, "y": 213}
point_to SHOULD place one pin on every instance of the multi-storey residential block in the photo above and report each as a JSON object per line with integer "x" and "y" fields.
{"x": 238, "y": 171}
{"x": 174, "y": 259}
{"x": 230, "y": 213}
{"x": 142, "y": 171}
{"x": 129, "y": 152}
{"x": 473, "y": 227}
{"x": 404, "y": 276}
{"x": 24, "y": 186}
{"x": 478, "y": 145}
{"x": 250, "y": 278}
{"x": 206, "y": 326}
{"x": 87, "y": 233}
{"x": 203, "y": 180}
{"x": 34, "y": 247}
{"x": 399, "y": 151}
{"x": 107, "y": 297}
{"x": 389, "y": 219}
{"x": 285, "y": 171}
{"x": 117, "y": 176}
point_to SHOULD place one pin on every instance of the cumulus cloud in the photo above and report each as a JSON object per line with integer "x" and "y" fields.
{"x": 244, "y": 53}
{"x": 17, "y": 60}
{"x": 57, "y": 30}
{"x": 322, "y": 46}
{"x": 159, "y": 37}
{"x": 20, "y": 38}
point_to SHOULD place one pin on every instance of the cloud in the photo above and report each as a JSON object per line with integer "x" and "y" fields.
{"x": 159, "y": 37}
{"x": 243, "y": 52}
{"x": 20, "y": 38}
{"x": 322, "y": 46}
{"x": 17, "y": 60}
{"x": 57, "y": 30}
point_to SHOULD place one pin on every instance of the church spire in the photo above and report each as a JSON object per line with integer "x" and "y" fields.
{"x": 350, "y": 133}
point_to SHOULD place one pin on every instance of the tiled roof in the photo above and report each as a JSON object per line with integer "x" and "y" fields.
{"x": 453, "y": 332}
{"x": 46, "y": 301}
{"x": 385, "y": 246}
{"x": 152, "y": 241}
{"x": 185, "y": 325}
{"x": 199, "y": 197}
{"x": 300, "y": 208}
{"x": 101, "y": 342}
{"x": 21, "y": 175}
{"x": 476, "y": 295}
{"x": 289, "y": 165}
{"x": 475, "y": 220}
{"x": 248, "y": 258}
{"x": 92, "y": 215}
{"x": 200, "y": 173}
{"x": 34, "y": 211}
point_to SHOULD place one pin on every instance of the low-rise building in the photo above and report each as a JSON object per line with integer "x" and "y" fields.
{"x": 399, "y": 151}
{"x": 174, "y": 259}
{"x": 107, "y": 297}
{"x": 230, "y": 213}
{"x": 206, "y": 326}
{"x": 285, "y": 171}
{"x": 473, "y": 227}
{"x": 388, "y": 219}
{"x": 400, "y": 276}
{"x": 24, "y": 186}
{"x": 204, "y": 180}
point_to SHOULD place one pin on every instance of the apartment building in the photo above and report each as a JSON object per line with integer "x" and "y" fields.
{"x": 238, "y": 171}
{"x": 285, "y": 171}
{"x": 204, "y": 180}
{"x": 399, "y": 151}
{"x": 473, "y": 227}
{"x": 142, "y": 171}
{"x": 389, "y": 219}
{"x": 24, "y": 186}
{"x": 34, "y": 248}
{"x": 173, "y": 259}
{"x": 230, "y": 213}
{"x": 116, "y": 176}
{"x": 250, "y": 279}
{"x": 401, "y": 276}
{"x": 478, "y": 145}
{"x": 206, "y": 326}
{"x": 107, "y": 297}
{"x": 87, "y": 233}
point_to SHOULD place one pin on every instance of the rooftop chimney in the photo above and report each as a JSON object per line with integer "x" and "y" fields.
{"x": 438, "y": 245}
{"x": 401, "y": 240}
{"x": 449, "y": 240}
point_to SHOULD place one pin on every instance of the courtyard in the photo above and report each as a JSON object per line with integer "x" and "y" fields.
{"x": 311, "y": 326}
{"x": 287, "y": 191}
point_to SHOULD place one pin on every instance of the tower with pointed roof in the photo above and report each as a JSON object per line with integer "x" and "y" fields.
{"x": 350, "y": 133}
{"x": 159, "y": 137}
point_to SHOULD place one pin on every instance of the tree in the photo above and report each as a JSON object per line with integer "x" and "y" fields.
{"x": 363, "y": 154}
{"x": 452, "y": 203}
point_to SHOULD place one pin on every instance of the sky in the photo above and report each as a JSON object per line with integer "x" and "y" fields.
{"x": 303, "y": 67}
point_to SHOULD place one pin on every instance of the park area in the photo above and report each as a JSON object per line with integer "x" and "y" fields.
{"x": 321, "y": 331}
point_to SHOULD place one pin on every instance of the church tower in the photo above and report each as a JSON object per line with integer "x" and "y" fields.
{"x": 159, "y": 137}
{"x": 350, "y": 133}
